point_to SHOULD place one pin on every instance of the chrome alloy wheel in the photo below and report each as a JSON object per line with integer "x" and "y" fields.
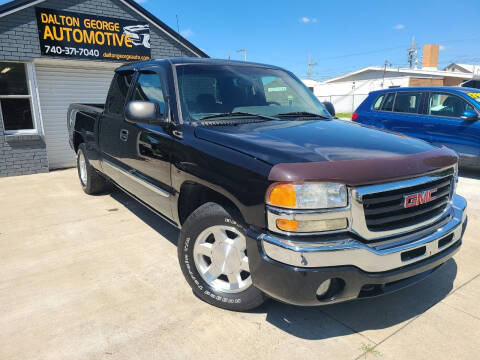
{"x": 220, "y": 255}
{"x": 82, "y": 168}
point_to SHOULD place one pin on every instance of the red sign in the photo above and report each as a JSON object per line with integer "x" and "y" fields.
{"x": 419, "y": 198}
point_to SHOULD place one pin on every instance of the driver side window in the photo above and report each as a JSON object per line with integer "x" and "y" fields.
{"x": 149, "y": 88}
{"x": 442, "y": 104}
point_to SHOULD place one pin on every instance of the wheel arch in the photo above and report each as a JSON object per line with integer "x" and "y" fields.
{"x": 77, "y": 140}
{"x": 193, "y": 195}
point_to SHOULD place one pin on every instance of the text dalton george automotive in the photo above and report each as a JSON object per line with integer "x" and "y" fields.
{"x": 99, "y": 32}
{"x": 79, "y": 35}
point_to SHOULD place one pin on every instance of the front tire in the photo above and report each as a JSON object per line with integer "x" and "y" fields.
{"x": 213, "y": 257}
{"x": 92, "y": 182}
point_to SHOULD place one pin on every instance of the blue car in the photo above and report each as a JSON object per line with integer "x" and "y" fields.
{"x": 440, "y": 115}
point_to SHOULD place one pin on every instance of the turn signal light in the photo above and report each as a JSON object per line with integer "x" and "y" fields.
{"x": 306, "y": 226}
{"x": 283, "y": 195}
{"x": 287, "y": 225}
{"x": 354, "y": 116}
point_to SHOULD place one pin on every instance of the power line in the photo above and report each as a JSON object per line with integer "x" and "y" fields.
{"x": 361, "y": 53}
{"x": 390, "y": 48}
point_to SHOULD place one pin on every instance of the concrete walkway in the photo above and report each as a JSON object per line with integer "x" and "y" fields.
{"x": 97, "y": 277}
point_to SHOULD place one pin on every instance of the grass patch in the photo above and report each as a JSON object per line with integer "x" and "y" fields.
{"x": 369, "y": 350}
{"x": 344, "y": 115}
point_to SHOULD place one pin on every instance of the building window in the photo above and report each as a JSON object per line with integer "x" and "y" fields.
{"x": 15, "y": 98}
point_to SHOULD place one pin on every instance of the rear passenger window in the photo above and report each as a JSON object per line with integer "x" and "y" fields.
{"x": 407, "y": 102}
{"x": 118, "y": 93}
{"x": 378, "y": 102}
{"x": 388, "y": 103}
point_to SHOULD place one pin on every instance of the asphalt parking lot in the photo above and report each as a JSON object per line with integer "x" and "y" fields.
{"x": 97, "y": 277}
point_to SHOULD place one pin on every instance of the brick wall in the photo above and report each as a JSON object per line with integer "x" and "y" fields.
{"x": 22, "y": 155}
{"x": 19, "y": 42}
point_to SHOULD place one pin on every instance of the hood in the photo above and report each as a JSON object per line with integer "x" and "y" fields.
{"x": 277, "y": 142}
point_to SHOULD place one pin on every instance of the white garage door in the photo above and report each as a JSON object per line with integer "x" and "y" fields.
{"x": 59, "y": 86}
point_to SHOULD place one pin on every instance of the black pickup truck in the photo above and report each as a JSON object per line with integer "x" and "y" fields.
{"x": 273, "y": 195}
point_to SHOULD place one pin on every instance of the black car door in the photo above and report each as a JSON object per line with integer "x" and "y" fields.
{"x": 136, "y": 156}
{"x": 149, "y": 145}
{"x": 111, "y": 129}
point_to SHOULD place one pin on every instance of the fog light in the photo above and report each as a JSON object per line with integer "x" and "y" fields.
{"x": 304, "y": 226}
{"x": 323, "y": 288}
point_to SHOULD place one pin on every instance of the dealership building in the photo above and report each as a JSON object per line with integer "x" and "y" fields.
{"x": 56, "y": 52}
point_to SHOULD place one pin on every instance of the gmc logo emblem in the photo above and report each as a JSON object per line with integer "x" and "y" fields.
{"x": 419, "y": 198}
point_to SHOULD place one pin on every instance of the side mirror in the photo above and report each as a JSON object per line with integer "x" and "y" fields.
{"x": 330, "y": 108}
{"x": 469, "y": 115}
{"x": 143, "y": 112}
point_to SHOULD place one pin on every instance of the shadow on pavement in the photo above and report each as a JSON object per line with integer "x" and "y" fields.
{"x": 332, "y": 320}
{"x": 367, "y": 314}
{"x": 165, "y": 229}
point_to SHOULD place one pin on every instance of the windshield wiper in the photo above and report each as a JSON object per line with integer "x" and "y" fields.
{"x": 303, "y": 114}
{"x": 238, "y": 113}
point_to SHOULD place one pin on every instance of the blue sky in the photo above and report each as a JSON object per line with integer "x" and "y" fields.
{"x": 341, "y": 36}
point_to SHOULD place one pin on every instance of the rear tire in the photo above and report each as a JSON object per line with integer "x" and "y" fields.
{"x": 92, "y": 182}
{"x": 213, "y": 258}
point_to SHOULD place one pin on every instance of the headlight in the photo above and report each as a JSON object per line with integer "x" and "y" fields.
{"x": 307, "y": 195}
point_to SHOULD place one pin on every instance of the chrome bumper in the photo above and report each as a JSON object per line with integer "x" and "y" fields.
{"x": 371, "y": 257}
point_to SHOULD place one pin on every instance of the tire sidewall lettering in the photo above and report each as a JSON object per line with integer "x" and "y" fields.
{"x": 196, "y": 278}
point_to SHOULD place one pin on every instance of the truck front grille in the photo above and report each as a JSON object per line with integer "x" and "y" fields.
{"x": 386, "y": 211}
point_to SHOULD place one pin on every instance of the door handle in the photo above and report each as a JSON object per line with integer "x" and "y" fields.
{"x": 124, "y": 134}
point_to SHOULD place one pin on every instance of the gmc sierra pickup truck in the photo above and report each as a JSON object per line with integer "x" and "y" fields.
{"x": 273, "y": 195}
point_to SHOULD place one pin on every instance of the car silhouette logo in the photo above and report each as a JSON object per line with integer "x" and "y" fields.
{"x": 139, "y": 34}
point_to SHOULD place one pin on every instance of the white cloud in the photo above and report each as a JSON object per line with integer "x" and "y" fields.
{"x": 307, "y": 20}
{"x": 442, "y": 47}
{"x": 187, "y": 33}
{"x": 399, "y": 27}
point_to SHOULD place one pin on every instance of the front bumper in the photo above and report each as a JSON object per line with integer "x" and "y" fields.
{"x": 291, "y": 271}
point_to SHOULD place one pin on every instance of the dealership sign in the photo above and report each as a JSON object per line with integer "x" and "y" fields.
{"x": 75, "y": 35}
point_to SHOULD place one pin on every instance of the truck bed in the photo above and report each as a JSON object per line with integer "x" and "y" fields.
{"x": 88, "y": 107}
{"x": 83, "y": 116}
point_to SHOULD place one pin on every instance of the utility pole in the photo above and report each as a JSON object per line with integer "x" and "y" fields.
{"x": 387, "y": 63}
{"x": 412, "y": 53}
{"x": 310, "y": 65}
{"x": 178, "y": 27}
{"x": 244, "y": 51}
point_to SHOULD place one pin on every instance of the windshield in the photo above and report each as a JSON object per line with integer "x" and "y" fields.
{"x": 207, "y": 90}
